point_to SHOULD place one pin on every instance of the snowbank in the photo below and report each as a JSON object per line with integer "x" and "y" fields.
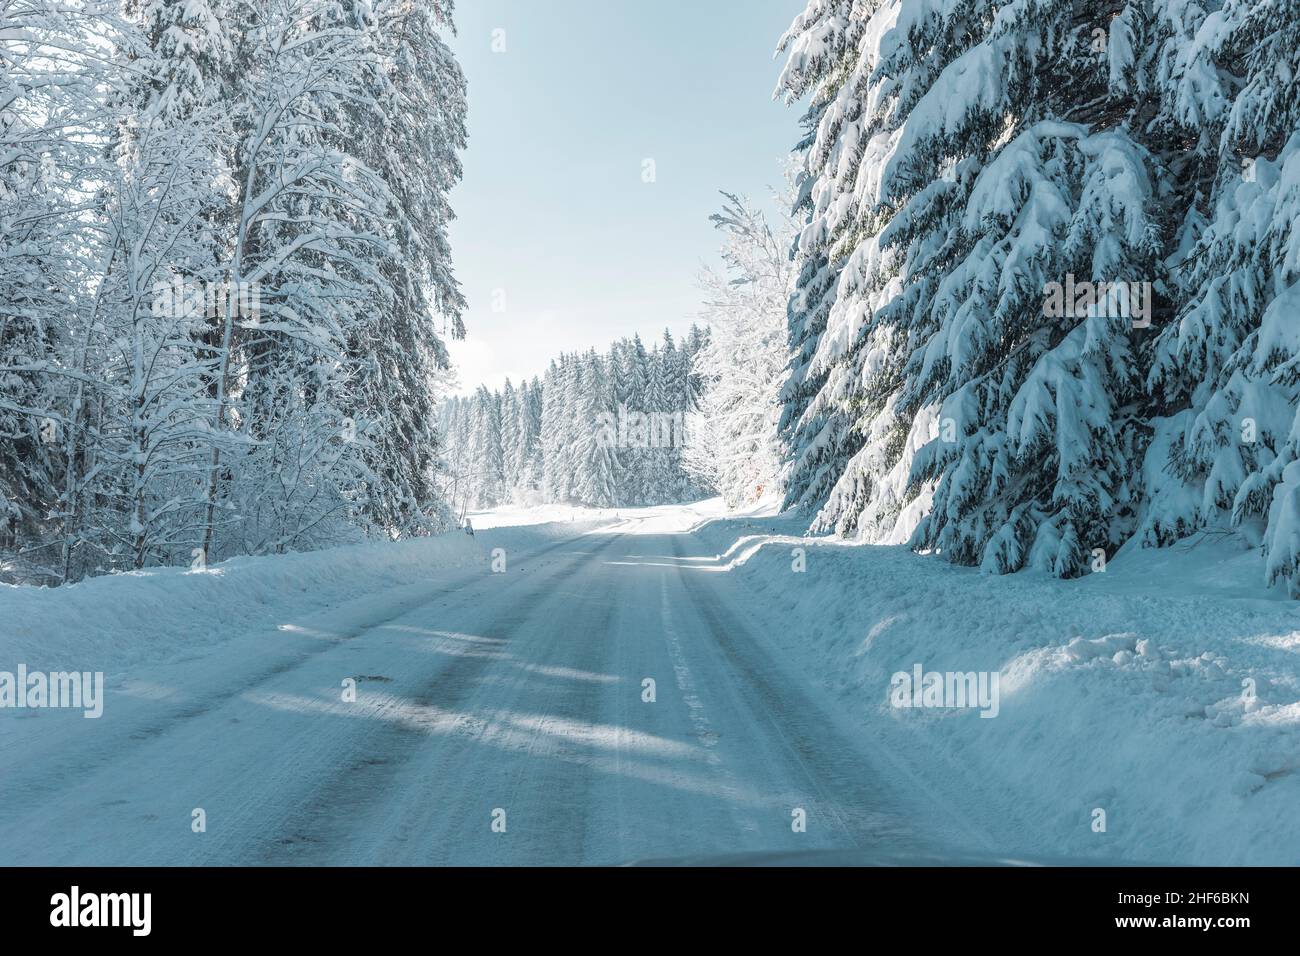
{"x": 1164, "y": 692}
{"x": 117, "y": 621}
{"x": 652, "y": 519}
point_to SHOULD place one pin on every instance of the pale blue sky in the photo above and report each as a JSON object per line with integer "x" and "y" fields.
{"x": 553, "y": 211}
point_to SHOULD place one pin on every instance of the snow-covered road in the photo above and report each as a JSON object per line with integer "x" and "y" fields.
{"x": 499, "y": 718}
{"x": 504, "y": 716}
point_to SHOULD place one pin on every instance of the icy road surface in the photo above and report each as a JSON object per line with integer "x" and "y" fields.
{"x": 500, "y": 718}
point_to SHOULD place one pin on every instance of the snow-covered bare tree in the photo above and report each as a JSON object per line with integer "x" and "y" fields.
{"x": 734, "y": 446}
{"x": 223, "y": 266}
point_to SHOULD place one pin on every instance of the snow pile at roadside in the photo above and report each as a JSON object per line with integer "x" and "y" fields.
{"x": 649, "y": 519}
{"x": 116, "y": 621}
{"x": 524, "y": 516}
{"x": 1164, "y": 692}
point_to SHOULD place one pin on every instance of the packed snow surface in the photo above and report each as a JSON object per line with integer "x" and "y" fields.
{"x": 502, "y": 712}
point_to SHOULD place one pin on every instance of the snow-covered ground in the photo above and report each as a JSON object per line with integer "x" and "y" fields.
{"x": 651, "y": 520}
{"x": 143, "y": 617}
{"x": 1164, "y": 692}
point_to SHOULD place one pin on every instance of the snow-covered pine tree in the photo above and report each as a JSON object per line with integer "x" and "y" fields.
{"x": 656, "y": 476}
{"x": 486, "y": 480}
{"x": 408, "y": 131}
{"x": 551, "y": 439}
{"x": 508, "y": 405}
{"x": 527, "y": 450}
{"x": 951, "y": 177}
{"x": 568, "y": 442}
{"x": 817, "y": 418}
{"x": 696, "y": 339}
{"x": 629, "y": 392}
{"x": 575, "y": 428}
{"x": 597, "y": 481}
{"x": 1225, "y": 448}
{"x": 677, "y": 398}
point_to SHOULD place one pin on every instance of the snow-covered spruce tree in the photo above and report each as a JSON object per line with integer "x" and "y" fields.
{"x": 817, "y": 421}
{"x": 963, "y": 160}
{"x": 527, "y": 430}
{"x": 527, "y": 451}
{"x": 1225, "y": 378}
{"x": 597, "y": 481}
{"x": 456, "y": 423}
{"x": 409, "y": 131}
{"x": 509, "y": 405}
{"x": 574, "y": 427}
{"x": 677, "y": 395}
{"x": 733, "y": 443}
{"x": 191, "y": 53}
{"x": 485, "y": 478}
{"x": 303, "y": 381}
{"x": 656, "y": 458}
{"x": 629, "y": 392}
{"x": 696, "y": 339}
{"x": 551, "y": 438}
{"x": 568, "y": 399}
{"x": 573, "y": 438}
